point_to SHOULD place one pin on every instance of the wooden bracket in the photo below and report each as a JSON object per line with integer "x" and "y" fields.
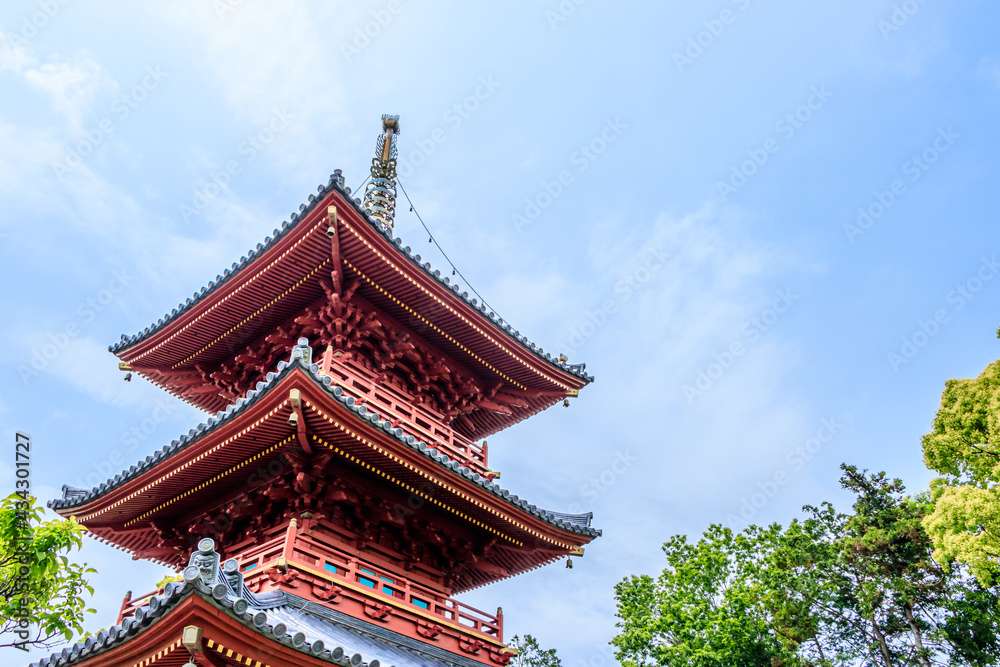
{"x": 326, "y": 361}
{"x": 297, "y": 419}
{"x": 337, "y": 271}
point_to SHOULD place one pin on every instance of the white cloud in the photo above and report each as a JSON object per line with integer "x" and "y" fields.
{"x": 713, "y": 277}
{"x": 84, "y": 364}
{"x": 263, "y": 56}
{"x": 25, "y": 162}
{"x": 667, "y": 325}
{"x": 13, "y": 54}
{"x": 71, "y": 84}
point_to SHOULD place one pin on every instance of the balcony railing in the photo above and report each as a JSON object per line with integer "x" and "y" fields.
{"x": 421, "y": 421}
{"x": 383, "y": 583}
{"x": 130, "y": 604}
{"x": 389, "y": 585}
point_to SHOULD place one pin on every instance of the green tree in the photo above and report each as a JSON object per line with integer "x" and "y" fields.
{"x": 41, "y": 590}
{"x": 888, "y": 601}
{"x": 964, "y": 447}
{"x": 530, "y": 654}
{"x": 831, "y": 589}
{"x": 167, "y": 578}
{"x": 705, "y": 608}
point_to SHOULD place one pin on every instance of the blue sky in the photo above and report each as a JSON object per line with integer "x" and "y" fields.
{"x": 768, "y": 228}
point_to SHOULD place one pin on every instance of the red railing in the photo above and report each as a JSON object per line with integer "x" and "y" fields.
{"x": 339, "y": 565}
{"x": 401, "y": 409}
{"x": 260, "y": 554}
{"x": 130, "y": 604}
{"x": 393, "y": 586}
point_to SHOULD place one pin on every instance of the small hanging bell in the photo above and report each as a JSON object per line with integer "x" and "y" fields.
{"x": 569, "y": 563}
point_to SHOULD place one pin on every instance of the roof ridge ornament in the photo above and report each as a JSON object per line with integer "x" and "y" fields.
{"x": 380, "y": 195}
{"x": 204, "y": 563}
{"x": 225, "y": 581}
{"x": 302, "y": 352}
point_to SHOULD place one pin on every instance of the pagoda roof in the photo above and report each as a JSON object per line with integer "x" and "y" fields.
{"x": 315, "y": 631}
{"x": 74, "y": 498}
{"x": 335, "y": 628}
{"x": 466, "y": 322}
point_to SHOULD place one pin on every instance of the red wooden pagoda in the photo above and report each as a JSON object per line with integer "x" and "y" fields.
{"x": 342, "y": 493}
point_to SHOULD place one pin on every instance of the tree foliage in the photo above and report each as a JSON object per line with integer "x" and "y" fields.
{"x": 530, "y": 654}
{"x": 168, "y": 578}
{"x": 41, "y": 590}
{"x": 964, "y": 447}
{"x": 860, "y": 588}
{"x": 704, "y": 607}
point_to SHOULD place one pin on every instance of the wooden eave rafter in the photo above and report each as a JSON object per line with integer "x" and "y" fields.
{"x": 184, "y": 481}
{"x": 285, "y": 277}
{"x": 160, "y": 644}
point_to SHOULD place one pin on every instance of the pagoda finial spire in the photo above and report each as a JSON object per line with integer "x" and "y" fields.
{"x": 380, "y": 195}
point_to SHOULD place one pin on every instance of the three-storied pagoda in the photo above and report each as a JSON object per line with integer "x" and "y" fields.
{"x": 342, "y": 493}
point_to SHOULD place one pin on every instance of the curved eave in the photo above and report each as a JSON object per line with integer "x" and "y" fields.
{"x": 259, "y": 406}
{"x": 293, "y": 631}
{"x": 369, "y": 233}
{"x": 152, "y": 635}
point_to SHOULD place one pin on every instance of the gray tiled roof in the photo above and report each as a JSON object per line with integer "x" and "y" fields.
{"x": 294, "y": 622}
{"x": 577, "y": 523}
{"x": 337, "y": 183}
{"x": 334, "y": 628}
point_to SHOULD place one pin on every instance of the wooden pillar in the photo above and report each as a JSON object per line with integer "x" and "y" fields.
{"x": 290, "y": 534}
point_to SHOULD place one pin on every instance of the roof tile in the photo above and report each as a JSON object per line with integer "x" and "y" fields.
{"x": 74, "y": 498}
{"x": 336, "y": 182}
